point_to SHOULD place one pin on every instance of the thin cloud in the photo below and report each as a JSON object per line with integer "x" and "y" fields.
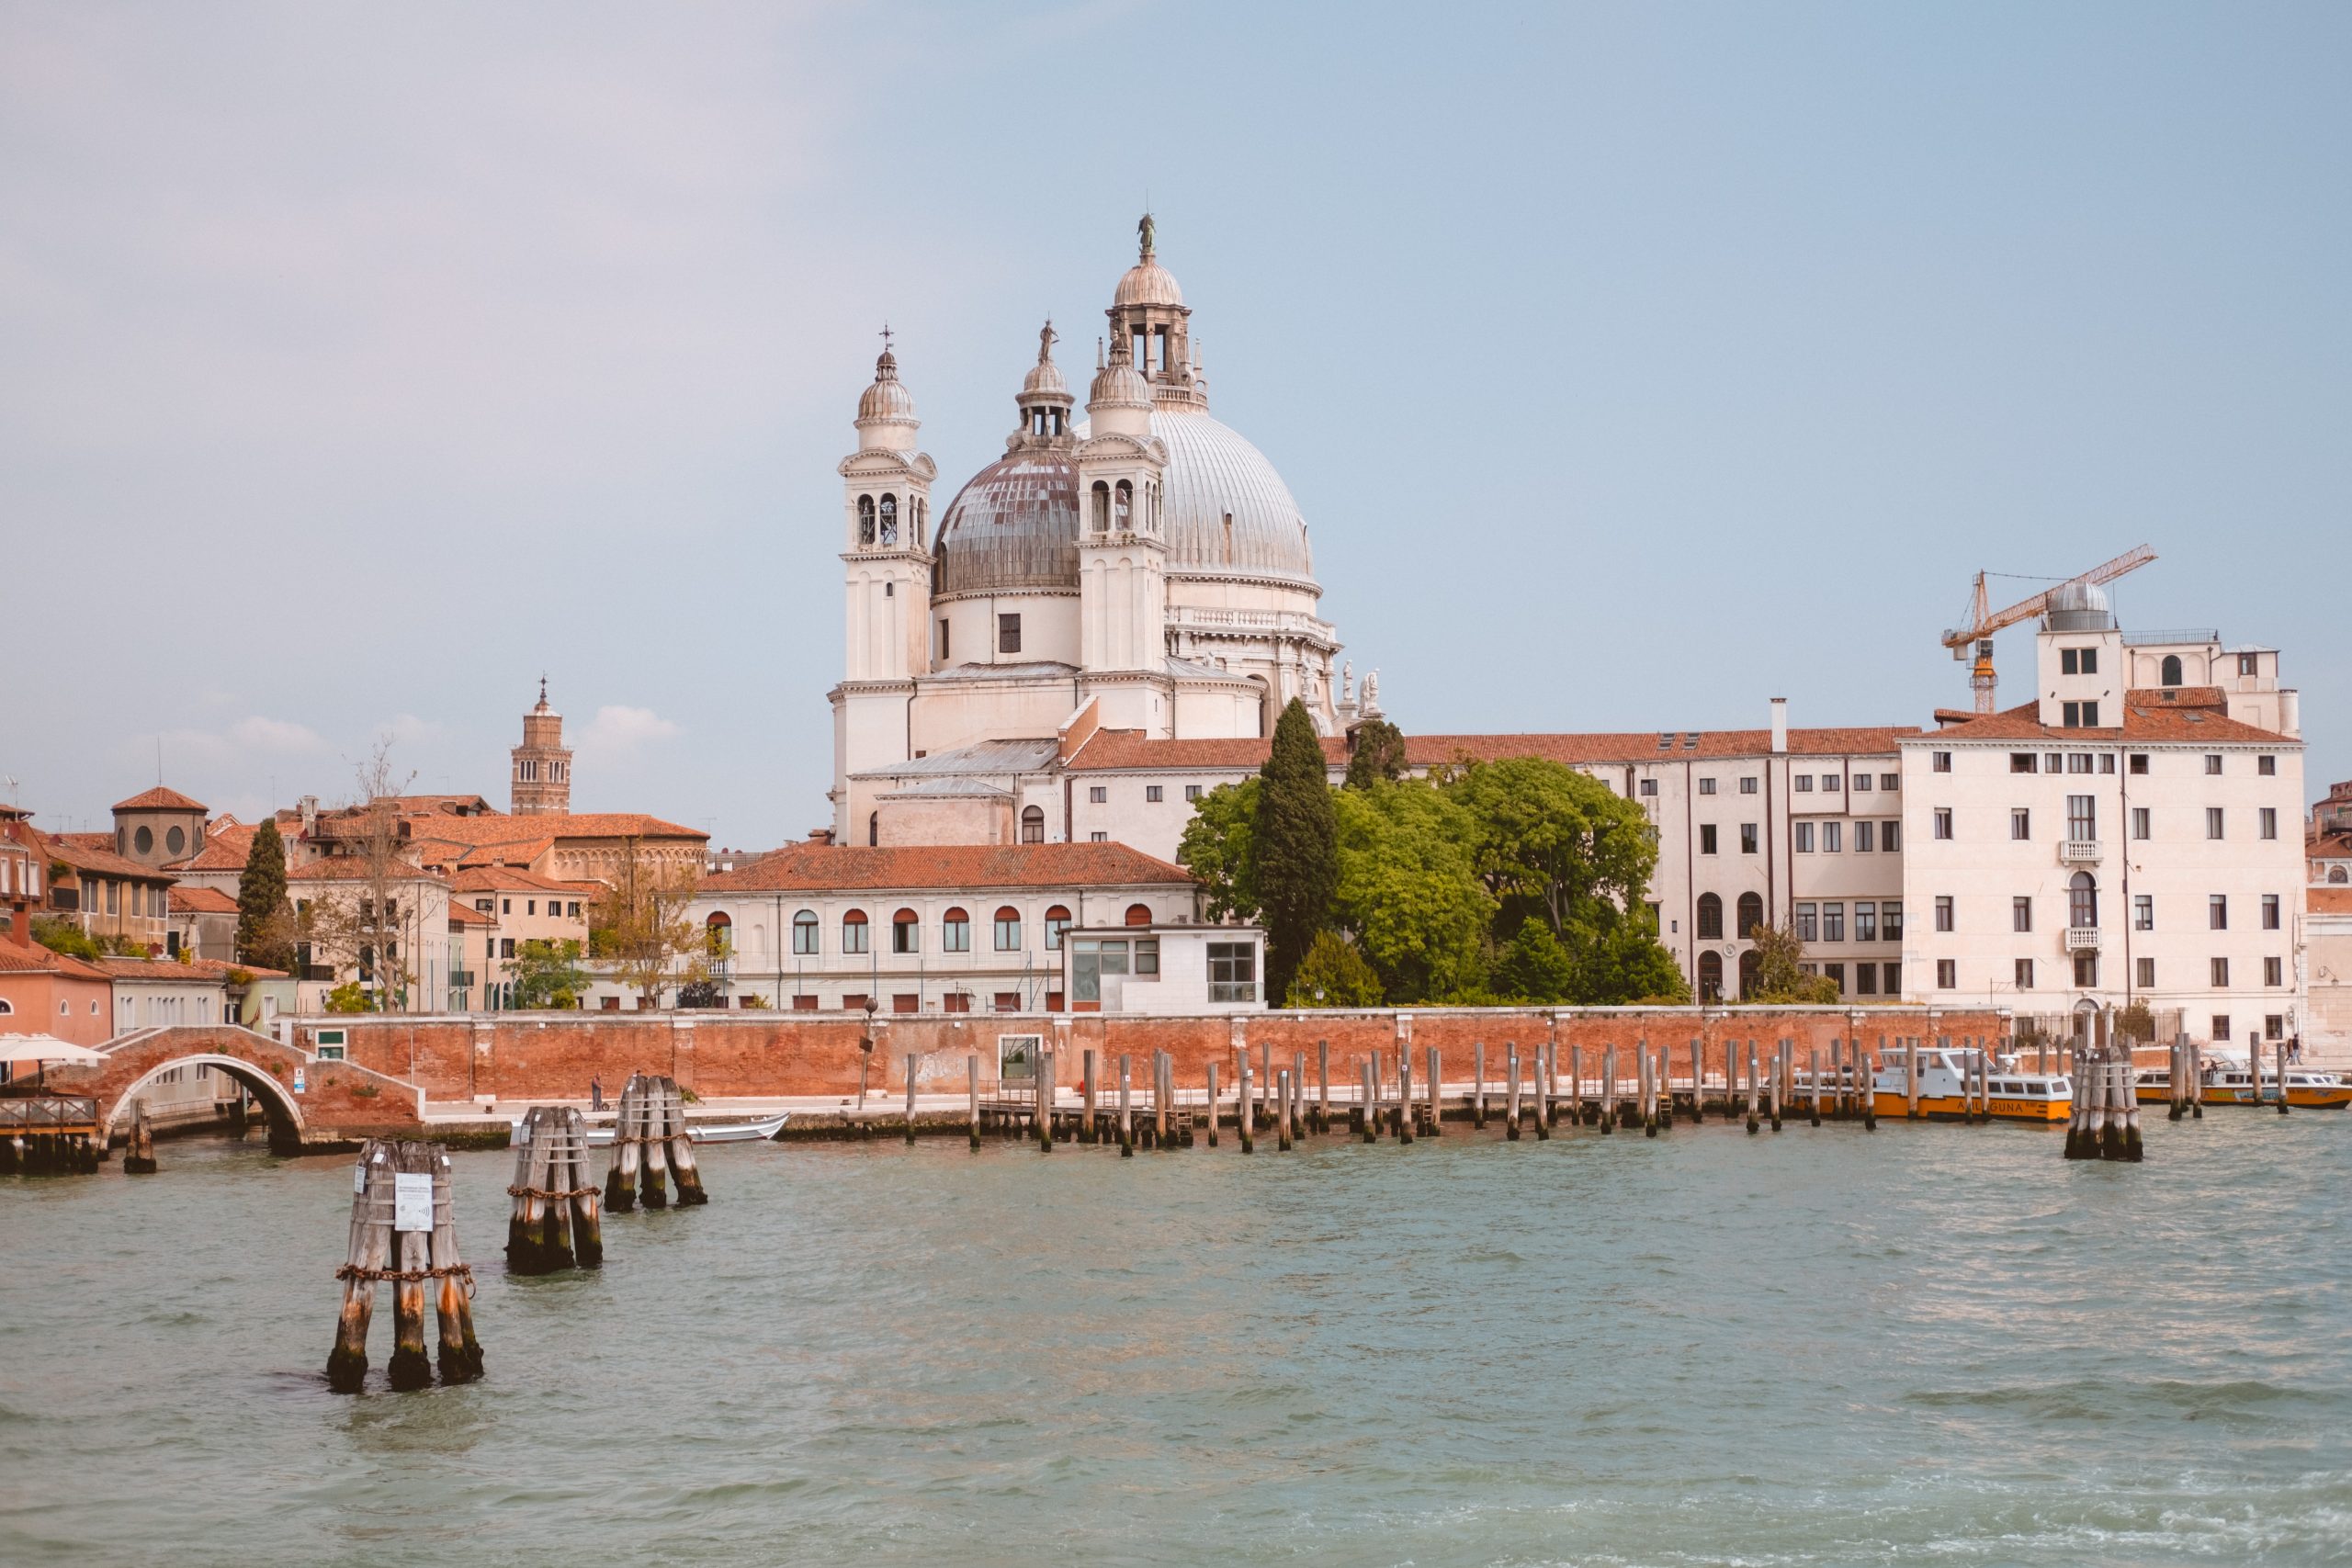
{"x": 617, "y": 730}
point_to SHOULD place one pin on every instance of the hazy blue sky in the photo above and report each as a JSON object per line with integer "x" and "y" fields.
{"x": 1631, "y": 364}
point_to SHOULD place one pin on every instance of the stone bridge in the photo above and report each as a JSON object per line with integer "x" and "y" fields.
{"x": 313, "y": 1106}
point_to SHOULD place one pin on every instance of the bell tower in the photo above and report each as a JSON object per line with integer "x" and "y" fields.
{"x": 1122, "y": 552}
{"x": 541, "y": 782}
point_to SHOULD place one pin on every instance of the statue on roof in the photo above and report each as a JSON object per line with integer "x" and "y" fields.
{"x": 1148, "y": 232}
{"x": 1047, "y": 338}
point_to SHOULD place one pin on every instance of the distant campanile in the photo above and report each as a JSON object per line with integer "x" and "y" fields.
{"x": 542, "y": 780}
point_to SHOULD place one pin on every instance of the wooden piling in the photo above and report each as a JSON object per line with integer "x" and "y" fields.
{"x": 1511, "y": 1067}
{"x": 652, "y": 1190}
{"x": 1544, "y": 1088}
{"x": 1162, "y": 1129}
{"x": 1866, "y": 1084}
{"x": 1282, "y": 1117}
{"x": 1911, "y": 1079}
{"x": 911, "y": 1099}
{"x": 1127, "y": 1109}
{"x": 2196, "y": 1081}
{"x": 459, "y": 1352}
{"x": 683, "y": 1171}
{"x": 1779, "y": 1076}
{"x": 2280, "y": 1076}
{"x": 1403, "y": 1119}
{"x": 1437, "y": 1109}
{"x": 1090, "y": 1129}
{"x": 1754, "y": 1090}
{"x": 1576, "y": 1085}
{"x": 1479, "y": 1084}
{"x": 620, "y": 1179}
{"x": 365, "y": 1259}
{"x": 972, "y": 1092}
{"x": 1646, "y": 1077}
{"x": 138, "y": 1143}
{"x": 1243, "y": 1113}
{"x": 1322, "y": 1085}
{"x": 1212, "y": 1076}
{"x": 411, "y": 1253}
{"x": 1369, "y": 1121}
{"x": 1812, "y": 1078}
{"x": 1608, "y": 1088}
{"x": 1265, "y": 1069}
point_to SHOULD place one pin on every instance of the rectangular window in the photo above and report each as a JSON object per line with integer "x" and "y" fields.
{"x": 2069, "y": 661}
{"x": 2021, "y": 914}
{"x": 906, "y": 1002}
{"x": 2268, "y": 818}
{"x": 2221, "y": 974}
{"x": 1866, "y": 920}
{"x": 1808, "y": 922}
{"x": 2249, "y": 663}
{"x": 943, "y": 640}
{"x": 956, "y": 935}
{"x": 2143, "y": 912}
{"x": 2106, "y": 761}
{"x": 1007, "y": 930}
{"x": 1939, "y": 762}
{"x": 2139, "y": 822}
{"x": 1233, "y": 972}
{"x": 1091, "y": 959}
{"x": 2071, "y": 716}
{"x": 1148, "y": 956}
{"x": 1890, "y": 914}
{"x": 2221, "y": 1026}
{"x": 2266, "y": 766}
{"x": 2270, "y": 911}
{"x": 1805, "y": 838}
{"x": 1192, "y": 792}
{"x": 1836, "y": 972}
{"x": 2087, "y": 970}
{"x": 955, "y": 1001}
{"x": 1017, "y": 1058}
{"x": 1865, "y": 979}
{"x": 2090, "y": 716}
{"x": 2145, "y": 973}
{"x": 1944, "y": 821}
{"x": 571, "y": 910}
{"x": 1861, "y": 781}
{"x": 2274, "y": 971}
{"x": 1832, "y": 838}
{"x": 906, "y": 936}
{"x": 853, "y": 936}
{"x": 531, "y": 906}
{"x": 1008, "y": 1001}
{"x": 1747, "y": 785}
{"x": 2020, "y": 823}
{"x": 2217, "y": 912}
{"x": 1943, "y": 911}
{"x": 507, "y": 947}
{"x": 2053, "y": 762}
{"x": 2024, "y": 976}
{"x": 1890, "y": 837}
{"x": 1706, "y": 786}
{"x": 1803, "y": 784}
{"x": 2082, "y": 818}
{"x": 1865, "y": 837}
{"x": 804, "y": 934}
{"x": 1151, "y": 794}
{"x": 1707, "y": 837}
{"x": 1097, "y": 794}
{"x": 1947, "y": 975}
{"x": 1748, "y": 838}
{"x": 1098, "y": 837}
{"x": 2139, "y": 762}
{"x": 2212, "y": 761}
{"x": 2022, "y": 763}
{"x": 1649, "y": 786}
{"x": 2212, "y": 821}
{"x": 2275, "y": 1025}
{"x": 1833, "y": 922}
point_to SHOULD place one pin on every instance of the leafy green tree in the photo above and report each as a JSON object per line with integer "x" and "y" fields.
{"x": 1554, "y": 841}
{"x": 1534, "y": 967}
{"x": 349, "y": 998}
{"x": 264, "y": 920}
{"x": 546, "y": 974}
{"x": 1619, "y": 960}
{"x": 1216, "y": 849}
{"x": 1779, "y": 975}
{"x": 1334, "y": 974}
{"x": 1408, "y": 890}
{"x": 1294, "y": 845}
{"x": 59, "y": 934}
{"x": 1379, "y": 754}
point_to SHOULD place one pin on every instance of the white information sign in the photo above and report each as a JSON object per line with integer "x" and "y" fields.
{"x": 298, "y": 1085}
{"x": 359, "y": 1179}
{"x": 411, "y": 1202}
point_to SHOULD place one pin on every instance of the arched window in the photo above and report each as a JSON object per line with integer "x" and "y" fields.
{"x": 921, "y": 510}
{"x": 2336, "y": 873}
{"x": 1122, "y": 504}
{"x": 1710, "y": 975}
{"x": 853, "y": 931}
{"x": 865, "y": 521}
{"x": 1102, "y": 506}
{"x": 2082, "y": 901}
{"x": 803, "y": 932}
{"x": 873, "y": 827}
{"x": 1711, "y": 917}
{"x": 1007, "y": 930}
{"x": 889, "y": 521}
{"x": 7, "y": 1007}
{"x": 955, "y": 932}
{"x": 2171, "y": 675}
{"x": 1751, "y": 914}
{"x": 1056, "y": 922}
{"x": 718, "y": 934}
{"x": 1138, "y": 913}
{"x": 1033, "y": 825}
{"x": 906, "y": 932}
{"x": 1751, "y": 973}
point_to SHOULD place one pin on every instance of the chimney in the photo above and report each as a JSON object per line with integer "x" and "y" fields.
{"x": 820, "y": 835}
{"x": 310, "y": 806}
{"x": 2290, "y": 712}
{"x": 1780, "y": 726}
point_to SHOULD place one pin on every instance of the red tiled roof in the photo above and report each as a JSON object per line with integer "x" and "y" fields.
{"x": 1117, "y": 749}
{"x": 2328, "y": 901}
{"x": 30, "y": 958}
{"x": 492, "y": 879}
{"x": 177, "y": 969}
{"x": 199, "y": 901}
{"x": 822, "y": 868}
{"x": 467, "y": 915}
{"x": 1129, "y": 749}
{"x": 225, "y": 849}
{"x": 352, "y": 868}
{"x": 2152, "y": 724}
{"x": 75, "y": 851}
{"x": 159, "y": 799}
{"x": 504, "y": 829}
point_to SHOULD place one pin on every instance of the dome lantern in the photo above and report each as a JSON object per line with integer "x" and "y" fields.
{"x": 885, "y": 410}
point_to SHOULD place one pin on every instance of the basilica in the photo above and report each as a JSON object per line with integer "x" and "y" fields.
{"x": 1138, "y": 569}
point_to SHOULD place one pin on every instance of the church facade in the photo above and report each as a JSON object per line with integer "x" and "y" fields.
{"x": 1137, "y": 565}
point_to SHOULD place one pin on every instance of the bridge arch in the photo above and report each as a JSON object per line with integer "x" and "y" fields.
{"x": 277, "y": 1103}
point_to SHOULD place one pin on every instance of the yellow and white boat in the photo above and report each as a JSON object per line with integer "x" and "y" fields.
{"x": 2012, "y": 1094}
{"x": 2229, "y": 1080}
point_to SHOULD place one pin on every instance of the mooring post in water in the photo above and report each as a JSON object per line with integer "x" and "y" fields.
{"x": 1368, "y": 1094}
{"x": 369, "y": 1251}
{"x": 1161, "y": 1127}
{"x": 1511, "y": 1069}
{"x": 972, "y": 1092}
{"x": 2176, "y": 1079}
{"x": 1322, "y": 1085}
{"x": 1813, "y": 1079}
{"x": 1479, "y": 1084}
{"x": 683, "y": 1168}
{"x": 620, "y": 1178}
{"x": 653, "y": 1177}
{"x": 1437, "y": 1107}
{"x": 1608, "y": 1088}
{"x": 910, "y": 1099}
{"x": 2196, "y": 1081}
{"x": 1911, "y": 1078}
{"x": 1731, "y": 1081}
{"x": 1542, "y": 1074}
{"x": 1645, "y": 1078}
{"x": 411, "y": 1251}
{"x": 1088, "y": 1129}
{"x": 453, "y": 1312}
{"x": 138, "y": 1143}
{"x": 1243, "y": 1113}
{"x": 2280, "y": 1046}
{"x": 1282, "y": 1117}
{"x": 1126, "y": 1111}
{"x": 1265, "y": 1074}
{"x": 1404, "y": 1118}
{"x": 1754, "y": 1091}
{"x": 1779, "y": 1078}
{"x": 1212, "y": 1077}
{"x": 1576, "y": 1085}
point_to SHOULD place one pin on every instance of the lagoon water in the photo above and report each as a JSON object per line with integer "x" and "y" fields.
{"x": 1824, "y": 1346}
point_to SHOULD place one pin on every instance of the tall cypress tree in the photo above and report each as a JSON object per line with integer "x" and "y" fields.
{"x": 261, "y": 893}
{"x": 1295, "y": 843}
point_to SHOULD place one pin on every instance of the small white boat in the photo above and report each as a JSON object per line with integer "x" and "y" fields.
{"x": 600, "y": 1136}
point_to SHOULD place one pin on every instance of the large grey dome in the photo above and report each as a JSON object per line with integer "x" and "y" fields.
{"x": 1214, "y": 474}
{"x": 1013, "y": 525}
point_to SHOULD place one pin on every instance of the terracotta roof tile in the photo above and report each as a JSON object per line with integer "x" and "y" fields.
{"x": 2154, "y": 723}
{"x": 2328, "y": 901}
{"x": 83, "y": 856}
{"x": 174, "y": 969}
{"x": 30, "y": 958}
{"x": 502, "y": 830}
{"x": 492, "y": 879}
{"x": 200, "y": 901}
{"x": 159, "y": 799}
{"x": 350, "y": 868}
{"x": 1129, "y": 749}
{"x": 819, "y": 868}
{"x": 225, "y": 849}
{"x": 467, "y": 915}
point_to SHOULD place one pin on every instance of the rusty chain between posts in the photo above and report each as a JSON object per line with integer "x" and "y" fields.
{"x": 461, "y": 1271}
{"x": 544, "y": 1192}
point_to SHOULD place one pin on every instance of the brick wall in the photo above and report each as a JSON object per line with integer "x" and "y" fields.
{"x": 526, "y": 1055}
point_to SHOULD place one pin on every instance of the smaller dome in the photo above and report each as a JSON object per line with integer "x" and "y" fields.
{"x": 1149, "y": 283}
{"x": 1119, "y": 385}
{"x": 2079, "y": 608}
{"x": 2080, "y": 596}
{"x": 1044, "y": 380}
{"x": 887, "y": 399}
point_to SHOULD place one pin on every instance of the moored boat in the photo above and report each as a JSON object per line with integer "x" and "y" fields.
{"x": 2011, "y": 1094}
{"x": 2228, "y": 1080}
{"x": 763, "y": 1130}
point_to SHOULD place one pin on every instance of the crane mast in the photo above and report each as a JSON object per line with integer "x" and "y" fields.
{"x": 1984, "y": 621}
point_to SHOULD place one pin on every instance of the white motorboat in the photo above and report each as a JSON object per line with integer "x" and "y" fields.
{"x": 600, "y": 1135}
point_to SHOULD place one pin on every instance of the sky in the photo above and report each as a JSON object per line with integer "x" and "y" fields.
{"x": 1633, "y": 364}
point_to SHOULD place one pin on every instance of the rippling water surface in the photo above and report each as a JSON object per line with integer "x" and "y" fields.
{"x": 1925, "y": 1344}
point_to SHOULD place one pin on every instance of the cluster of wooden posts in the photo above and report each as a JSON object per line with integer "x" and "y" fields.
{"x": 403, "y": 1224}
{"x": 1634, "y": 1087}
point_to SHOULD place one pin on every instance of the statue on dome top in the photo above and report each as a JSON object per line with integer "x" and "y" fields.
{"x": 1047, "y": 338}
{"x": 1148, "y": 232}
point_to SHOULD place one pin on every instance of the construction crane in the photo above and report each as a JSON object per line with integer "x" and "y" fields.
{"x": 1984, "y": 620}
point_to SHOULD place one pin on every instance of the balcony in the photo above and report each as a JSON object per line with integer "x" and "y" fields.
{"x": 2078, "y": 852}
{"x": 2082, "y": 939}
